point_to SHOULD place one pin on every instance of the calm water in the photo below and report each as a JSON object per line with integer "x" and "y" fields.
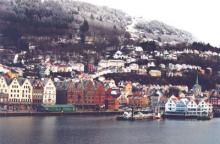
{"x": 106, "y": 130}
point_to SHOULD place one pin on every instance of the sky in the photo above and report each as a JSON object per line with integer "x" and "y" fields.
{"x": 199, "y": 17}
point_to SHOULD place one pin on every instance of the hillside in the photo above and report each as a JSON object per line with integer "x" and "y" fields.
{"x": 73, "y": 28}
{"x": 159, "y": 31}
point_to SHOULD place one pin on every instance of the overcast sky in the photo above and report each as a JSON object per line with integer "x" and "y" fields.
{"x": 199, "y": 17}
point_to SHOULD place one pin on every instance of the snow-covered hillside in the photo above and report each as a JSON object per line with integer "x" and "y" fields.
{"x": 155, "y": 30}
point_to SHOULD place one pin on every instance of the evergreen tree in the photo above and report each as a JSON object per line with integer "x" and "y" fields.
{"x": 84, "y": 28}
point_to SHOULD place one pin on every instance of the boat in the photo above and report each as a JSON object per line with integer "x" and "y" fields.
{"x": 157, "y": 116}
{"x": 125, "y": 116}
{"x": 139, "y": 116}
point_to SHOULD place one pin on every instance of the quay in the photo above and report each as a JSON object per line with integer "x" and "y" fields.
{"x": 91, "y": 113}
{"x": 185, "y": 116}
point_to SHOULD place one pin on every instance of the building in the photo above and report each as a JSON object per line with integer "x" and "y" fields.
{"x": 170, "y": 105}
{"x": 192, "y": 107}
{"x": 3, "y": 85}
{"x": 62, "y": 88}
{"x": 38, "y": 90}
{"x": 181, "y": 105}
{"x": 111, "y": 98}
{"x": 128, "y": 88}
{"x": 86, "y": 94}
{"x": 49, "y": 94}
{"x": 138, "y": 100}
{"x": 204, "y": 108}
{"x": 20, "y": 92}
{"x": 187, "y": 107}
{"x": 215, "y": 101}
{"x": 100, "y": 94}
{"x": 110, "y": 63}
{"x": 71, "y": 91}
{"x": 3, "y": 93}
{"x": 3, "y": 101}
{"x": 155, "y": 73}
{"x": 15, "y": 91}
{"x": 27, "y": 91}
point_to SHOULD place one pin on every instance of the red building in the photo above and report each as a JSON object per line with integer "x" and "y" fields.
{"x": 215, "y": 101}
{"x": 70, "y": 93}
{"x": 111, "y": 101}
{"x": 86, "y": 94}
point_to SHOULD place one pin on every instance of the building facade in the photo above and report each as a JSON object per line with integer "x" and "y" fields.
{"x": 49, "y": 94}
{"x": 38, "y": 90}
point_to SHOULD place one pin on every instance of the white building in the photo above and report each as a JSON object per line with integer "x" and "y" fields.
{"x": 78, "y": 67}
{"x": 188, "y": 107}
{"x": 192, "y": 107}
{"x": 49, "y": 94}
{"x": 110, "y": 63}
{"x": 204, "y": 108}
{"x": 170, "y": 105}
{"x": 3, "y": 85}
{"x": 15, "y": 91}
{"x": 27, "y": 91}
{"x": 20, "y": 91}
{"x": 134, "y": 66}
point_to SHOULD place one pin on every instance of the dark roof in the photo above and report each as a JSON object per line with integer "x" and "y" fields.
{"x": 21, "y": 81}
{"x": 62, "y": 85}
{"x": 8, "y": 81}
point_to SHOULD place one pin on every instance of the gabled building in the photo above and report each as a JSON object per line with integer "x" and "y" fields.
{"x": 49, "y": 94}
{"x": 86, "y": 94}
{"x": 181, "y": 105}
{"x": 3, "y": 91}
{"x": 99, "y": 98}
{"x": 170, "y": 106}
{"x": 111, "y": 98}
{"x": 3, "y": 85}
{"x": 27, "y": 91}
{"x": 38, "y": 90}
{"x": 71, "y": 92}
{"x": 204, "y": 108}
{"x": 15, "y": 91}
{"x": 192, "y": 107}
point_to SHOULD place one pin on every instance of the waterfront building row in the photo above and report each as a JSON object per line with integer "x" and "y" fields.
{"x": 27, "y": 91}
{"x": 84, "y": 93}
{"x": 189, "y": 107}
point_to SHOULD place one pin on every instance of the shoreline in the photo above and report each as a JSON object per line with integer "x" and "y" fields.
{"x": 9, "y": 114}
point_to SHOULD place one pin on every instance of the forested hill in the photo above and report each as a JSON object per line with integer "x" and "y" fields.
{"x": 68, "y": 27}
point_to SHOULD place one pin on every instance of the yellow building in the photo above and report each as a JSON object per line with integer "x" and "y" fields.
{"x": 128, "y": 88}
{"x": 155, "y": 73}
{"x": 139, "y": 101}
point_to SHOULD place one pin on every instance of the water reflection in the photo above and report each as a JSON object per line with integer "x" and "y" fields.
{"x": 105, "y": 130}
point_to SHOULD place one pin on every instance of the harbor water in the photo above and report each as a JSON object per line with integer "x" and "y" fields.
{"x": 106, "y": 130}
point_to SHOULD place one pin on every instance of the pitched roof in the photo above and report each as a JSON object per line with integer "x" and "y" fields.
{"x": 21, "y": 81}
